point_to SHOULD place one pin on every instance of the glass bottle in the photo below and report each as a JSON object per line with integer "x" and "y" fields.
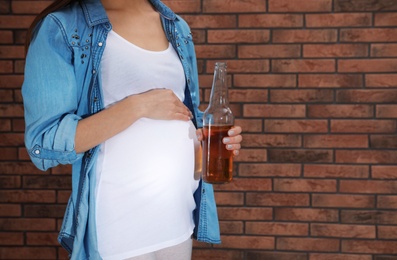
{"x": 217, "y": 120}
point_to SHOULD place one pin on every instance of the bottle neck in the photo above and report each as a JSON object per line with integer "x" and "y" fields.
{"x": 219, "y": 91}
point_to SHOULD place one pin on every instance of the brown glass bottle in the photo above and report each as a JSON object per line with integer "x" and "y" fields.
{"x": 217, "y": 120}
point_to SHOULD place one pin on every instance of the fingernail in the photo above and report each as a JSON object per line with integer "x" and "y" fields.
{"x": 226, "y": 140}
{"x": 229, "y": 146}
{"x": 231, "y": 132}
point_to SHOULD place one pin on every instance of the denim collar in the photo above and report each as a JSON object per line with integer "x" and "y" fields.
{"x": 95, "y": 13}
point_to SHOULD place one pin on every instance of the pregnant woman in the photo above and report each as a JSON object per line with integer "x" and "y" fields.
{"x": 111, "y": 87}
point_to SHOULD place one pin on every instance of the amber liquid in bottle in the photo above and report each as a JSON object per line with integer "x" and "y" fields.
{"x": 218, "y": 168}
{"x": 217, "y": 120}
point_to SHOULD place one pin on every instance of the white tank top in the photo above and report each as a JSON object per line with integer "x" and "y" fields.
{"x": 145, "y": 174}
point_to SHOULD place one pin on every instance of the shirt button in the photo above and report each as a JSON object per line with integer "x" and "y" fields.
{"x": 100, "y": 44}
{"x": 37, "y": 151}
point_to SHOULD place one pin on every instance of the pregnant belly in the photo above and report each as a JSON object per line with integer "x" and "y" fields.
{"x": 150, "y": 152}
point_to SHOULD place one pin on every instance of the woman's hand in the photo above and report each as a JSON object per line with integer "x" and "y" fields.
{"x": 162, "y": 104}
{"x": 233, "y": 142}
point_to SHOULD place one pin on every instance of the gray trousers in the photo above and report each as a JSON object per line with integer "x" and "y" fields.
{"x": 181, "y": 251}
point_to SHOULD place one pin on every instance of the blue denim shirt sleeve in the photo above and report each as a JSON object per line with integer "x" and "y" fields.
{"x": 50, "y": 97}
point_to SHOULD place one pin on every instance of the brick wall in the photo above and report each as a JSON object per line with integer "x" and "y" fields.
{"x": 313, "y": 84}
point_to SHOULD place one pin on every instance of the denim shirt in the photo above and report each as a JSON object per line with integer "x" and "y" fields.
{"x": 63, "y": 85}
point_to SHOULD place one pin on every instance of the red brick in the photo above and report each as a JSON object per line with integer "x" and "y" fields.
{"x": 307, "y": 35}
{"x": 369, "y": 217}
{"x": 215, "y": 51}
{"x": 294, "y": 6}
{"x": 246, "y": 184}
{"x": 384, "y": 172}
{"x": 306, "y": 185}
{"x": 28, "y": 7}
{"x": 384, "y": 141}
{"x": 308, "y": 244}
{"x": 242, "y": 95}
{"x": 387, "y": 232}
{"x": 231, "y": 227}
{"x": 5, "y": 125}
{"x": 277, "y": 199}
{"x": 234, "y": 6}
{"x": 306, "y": 214}
{"x": 384, "y": 50}
{"x": 273, "y": 255}
{"x": 339, "y": 20}
{"x": 300, "y": 156}
{"x": 11, "y": 81}
{"x": 363, "y": 126}
{"x": 301, "y": 96}
{"x": 241, "y": 66}
{"x": 10, "y": 210}
{"x": 386, "y": 111}
{"x": 44, "y": 211}
{"x": 11, "y": 238}
{"x": 335, "y": 141}
{"x": 276, "y": 229}
{"x": 191, "y": 6}
{"x": 47, "y": 182}
{"x": 8, "y": 154}
{"x": 6, "y": 95}
{"x": 387, "y": 202}
{"x": 269, "y": 51}
{"x": 270, "y": 20}
{"x": 11, "y": 139}
{"x": 271, "y": 111}
{"x": 330, "y": 81}
{"x": 237, "y": 36}
{"x": 367, "y": 65}
{"x": 5, "y": 66}
{"x": 342, "y": 231}
{"x": 362, "y": 156}
{"x": 343, "y": 201}
{"x": 229, "y": 198}
{"x": 251, "y": 155}
{"x": 19, "y": 66}
{"x": 244, "y": 213}
{"x": 11, "y": 110}
{"x": 26, "y": 196}
{"x": 366, "y": 96}
{"x": 267, "y": 170}
{"x": 335, "y": 171}
{"x": 368, "y": 35}
{"x": 211, "y": 21}
{"x": 15, "y": 21}
{"x": 369, "y": 246}
{"x": 381, "y": 80}
{"x": 340, "y": 111}
{"x": 28, "y": 253}
{"x": 272, "y": 140}
{"x": 249, "y": 125}
{"x": 27, "y": 224}
{"x": 19, "y": 168}
{"x": 6, "y": 37}
{"x": 325, "y": 256}
{"x": 12, "y": 52}
{"x": 47, "y": 239}
{"x": 10, "y": 182}
{"x": 303, "y": 66}
{"x": 386, "y": 19}
{"x": 5, "y": 7}
{"x": 247, "y": 242}
{"x": 199, "y": 36}
{"x": 264, "y": 81}
{"x": 335, "y": 50}
{"x": 364, "y": 5}
{"x": 296, "y": 126}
